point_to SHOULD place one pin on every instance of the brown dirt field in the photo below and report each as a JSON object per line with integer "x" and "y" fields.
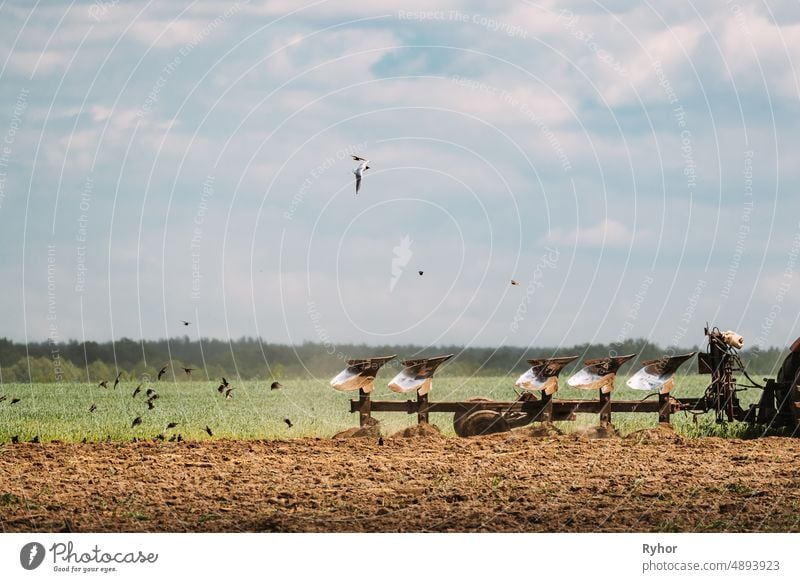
{"x": 506, "y": 482}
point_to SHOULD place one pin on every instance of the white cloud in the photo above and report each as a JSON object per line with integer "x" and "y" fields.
{"x": 607, "y": 233}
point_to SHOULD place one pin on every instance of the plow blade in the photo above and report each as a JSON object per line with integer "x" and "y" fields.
{"x": 417, "y": 375}
{"x": 656, "y": 375}
{"x": 543, "y": 374}
{"x": 598, "y": 374}
{"x": 359, "y": 374}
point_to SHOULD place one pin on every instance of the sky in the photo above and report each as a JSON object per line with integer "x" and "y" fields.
{"x": 633, "y": 165}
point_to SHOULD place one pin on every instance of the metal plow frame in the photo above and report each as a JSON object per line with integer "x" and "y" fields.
{"x": 779, "y": 405}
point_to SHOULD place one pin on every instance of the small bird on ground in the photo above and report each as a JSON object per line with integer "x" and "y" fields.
{"x": 276, "y": 386}
{"x": 188, "y": 371}
{"x": 359, "y": 171}
{"x": 208, "y": 430}
{"x": 158, "y": 437}
{"x": 150, "y": 405}
{"x": 288, "y": 422}
{"x": 15, "y": 439}
{"x": 35, "y": 439}
{"x": 136, "y": 421}
{"x": 171, "y": 425}
{"x": 103, "y": 384}
{"x": 83, "y": 440}
{"x": 380, "y": 441}
{"x": 14, "y": 400}
{"x": 185, "y": 323}
{"x": 138, "y": 389}
{"x": 116, "y": 380}
{"x": 514, "y": 282}
{"x": 93, "y": 407}
{"x": 161, "y": 372}
{"x": 172, "y": 438}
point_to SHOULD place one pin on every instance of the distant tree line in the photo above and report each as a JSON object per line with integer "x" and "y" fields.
{"x": 250, "y": 358}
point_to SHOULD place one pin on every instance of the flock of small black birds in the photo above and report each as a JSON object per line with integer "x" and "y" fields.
{"x": 151, "y": 396}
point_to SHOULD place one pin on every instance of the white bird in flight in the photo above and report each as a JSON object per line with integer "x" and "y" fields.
{"x": 359, "y": 171}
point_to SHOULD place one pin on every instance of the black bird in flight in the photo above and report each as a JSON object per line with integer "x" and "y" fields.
{"x": 185, "y": 323}
{"x": 171, "y": 425}
{"x": 150, "y": 405}
{"x": 116, "y": 380}
{"x": 150, "y": 392}
{"x": 208, "y": 430}
{"x": 288, "y": 422}
{"x": 136, "y": 421}
{"x": 188, "y": 371}
{"x": 228, "y": 395}
{"x": 93, "y": 407}
{"x": 221, "y": 388}
{"x": 161, "y": 372}
{"x": 3, "y": 397}
{"x": 138, "y": 389}
{"x": 103, "y": 384}
{"x": 153, "y": 396}
{"x": 224, "y": 382}
{"x": 276, "y": 386}
{"x": 14, "y": 401}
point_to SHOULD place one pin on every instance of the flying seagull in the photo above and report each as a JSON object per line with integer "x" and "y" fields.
{"x": 359, "y": 171}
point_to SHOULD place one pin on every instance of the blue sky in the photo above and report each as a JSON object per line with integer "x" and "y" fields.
{"x": 632, "y": 165}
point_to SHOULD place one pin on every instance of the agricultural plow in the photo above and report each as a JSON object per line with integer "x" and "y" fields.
{"x": 778, "y": 406}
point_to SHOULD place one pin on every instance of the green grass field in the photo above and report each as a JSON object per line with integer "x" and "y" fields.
{"x": 61, "y": 411}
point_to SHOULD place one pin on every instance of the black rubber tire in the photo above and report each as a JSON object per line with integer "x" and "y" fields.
{"x": 479, "y": 422}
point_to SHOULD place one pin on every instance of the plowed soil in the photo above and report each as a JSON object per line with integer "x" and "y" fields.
{"x": 500, "y": 483}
